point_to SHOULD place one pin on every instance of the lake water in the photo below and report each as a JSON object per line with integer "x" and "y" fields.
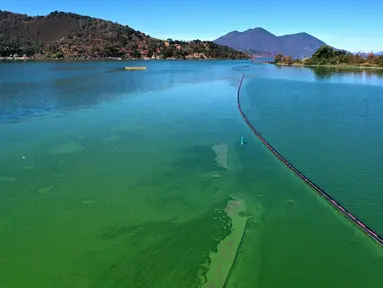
{"x": 113, "y": 178}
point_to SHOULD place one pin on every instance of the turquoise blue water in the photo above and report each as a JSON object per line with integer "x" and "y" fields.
{"x": 330, "y": 128}
{"x": 114, "y": 178}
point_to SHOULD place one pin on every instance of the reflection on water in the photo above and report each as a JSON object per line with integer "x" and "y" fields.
{"x": 71, "y": 85}
{"x": 315, "y": 74}
{"x": 323, "y": 73}
{"x": 358, "y": 74}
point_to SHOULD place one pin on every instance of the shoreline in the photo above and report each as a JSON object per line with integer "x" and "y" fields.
{"x": 341, "y": 66}
{"x": 26, "y": 59}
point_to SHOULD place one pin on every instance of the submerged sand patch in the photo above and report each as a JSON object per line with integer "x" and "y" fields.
{"x": 112, "y": 138}
{"x": 88, "y": 202}
{"x": 28, "y": 167}
{"x": 221, "y": 152}
{"x": 67, "y": 148}
{"x": 8, "y": 179}
{"x": 46, "y": 189}
{"x": 222, "y": 261}
{"x": 58, "y": 175}
{"x": 212, "y": 175}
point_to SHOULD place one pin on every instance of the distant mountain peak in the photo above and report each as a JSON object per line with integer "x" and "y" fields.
{"x": 260, "y": 29}
{"x": 259, "y": 39}
{"x": 233, "y": 32}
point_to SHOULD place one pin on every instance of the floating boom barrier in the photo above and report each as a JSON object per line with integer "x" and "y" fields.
{"x": 371, "y": 233}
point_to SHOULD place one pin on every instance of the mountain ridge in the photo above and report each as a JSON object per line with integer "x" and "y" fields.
{"x": 260, "y": 39}
{"x": 74, "y": 36}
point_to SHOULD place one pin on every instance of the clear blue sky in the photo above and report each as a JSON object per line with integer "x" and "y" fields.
{"x": 352, "y": 25}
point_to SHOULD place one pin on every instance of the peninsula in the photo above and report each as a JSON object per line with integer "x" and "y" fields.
{"x": 326, "y": 56}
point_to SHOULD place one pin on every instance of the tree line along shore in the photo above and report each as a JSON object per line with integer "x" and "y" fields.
{"x": 331, "y": 57}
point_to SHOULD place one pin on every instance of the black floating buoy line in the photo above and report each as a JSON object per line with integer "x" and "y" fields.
{"x": 371, "y": 233}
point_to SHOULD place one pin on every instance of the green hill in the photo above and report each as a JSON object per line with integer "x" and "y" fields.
{"x": 327, "y": 55}
{"x": 73, "y": 36}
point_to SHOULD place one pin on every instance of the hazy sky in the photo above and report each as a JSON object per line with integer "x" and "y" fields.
{"x": 353, "y": 25}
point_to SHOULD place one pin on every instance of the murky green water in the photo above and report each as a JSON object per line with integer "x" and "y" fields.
{"x": 110, "y": 178}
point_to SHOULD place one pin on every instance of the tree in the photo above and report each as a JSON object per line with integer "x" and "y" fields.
{"x": 178, "y": 54}
{"x": 167, "y": 52}
{"x": 278, "y": 58}
{"x": 358, "y": 58}
{"x": 288, "y": 60}
{"x": 150, "y": 53}
{"x": 136, "y": 54}
{"x": 371, "y": 58}
{"x": 57, "y": 55}
{"x": 111, "y": 50}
